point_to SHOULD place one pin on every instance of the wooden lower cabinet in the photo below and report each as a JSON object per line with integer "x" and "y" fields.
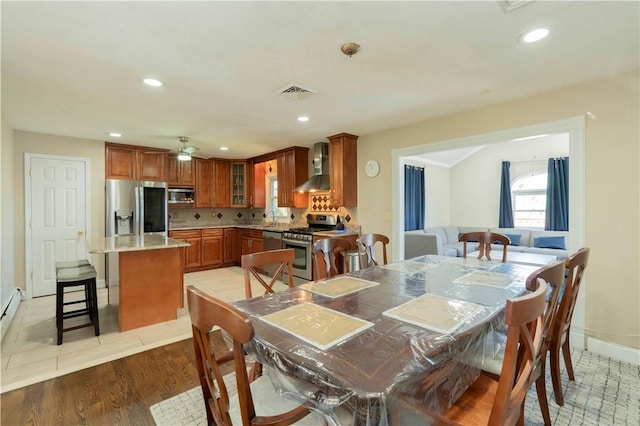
{"x": 251, "y": 241}
{"x": 210, "y": 248}
{"x": 192, "y": 255}
{"x": 232, "y": 250}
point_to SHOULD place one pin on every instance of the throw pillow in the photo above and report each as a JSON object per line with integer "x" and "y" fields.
{"x": 550, "y": 242}
{"x": 515, "y": 239}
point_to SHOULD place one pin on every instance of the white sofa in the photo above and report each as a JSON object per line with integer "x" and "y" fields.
{"x": 443, "y": 240}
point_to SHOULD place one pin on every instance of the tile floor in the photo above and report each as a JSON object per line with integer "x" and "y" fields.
{"x": 29, "y": 352}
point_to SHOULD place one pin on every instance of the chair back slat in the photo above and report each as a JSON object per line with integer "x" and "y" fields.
{"x": 252, "y": 262}
{"x": 576, "y": 265}
{"x": 206, "y": 312}
{"x": 325, "y": 252}
{"x": 524, "y": 319}
{"x": 485, "y": 239}
{"x": 366, "y": 243}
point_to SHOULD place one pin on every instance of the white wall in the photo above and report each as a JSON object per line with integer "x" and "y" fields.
{"x": 438, "y": 195}
{"x": 475, "y": 182}
{"x": 7, "y": 213}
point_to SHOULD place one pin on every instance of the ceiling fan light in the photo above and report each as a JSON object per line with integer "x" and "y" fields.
{"x": 184, "y": 156}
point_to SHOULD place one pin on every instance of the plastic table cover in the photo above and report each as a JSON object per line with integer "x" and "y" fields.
{"x": 369, "y": 371}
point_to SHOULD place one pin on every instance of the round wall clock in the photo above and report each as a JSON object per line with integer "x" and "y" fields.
{"x": 372, "y": 168}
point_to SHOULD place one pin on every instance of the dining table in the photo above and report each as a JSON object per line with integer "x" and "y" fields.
{"x": 366, "y": 340}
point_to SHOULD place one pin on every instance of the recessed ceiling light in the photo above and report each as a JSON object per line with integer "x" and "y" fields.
{"x": 224, "y": 148}
{"x": 303, "y": 118}
{"x": 152, "y": 82}
{"x": 535, "y": 35}
{"x": 115, "y": 134}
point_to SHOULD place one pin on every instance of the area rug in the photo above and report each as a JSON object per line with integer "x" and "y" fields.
{"x": 605, "y": 392}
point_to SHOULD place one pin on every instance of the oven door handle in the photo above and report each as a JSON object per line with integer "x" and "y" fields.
{"x": 296, "y": 243}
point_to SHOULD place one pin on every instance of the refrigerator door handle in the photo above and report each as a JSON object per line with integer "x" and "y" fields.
{"x": 139, "y": 221}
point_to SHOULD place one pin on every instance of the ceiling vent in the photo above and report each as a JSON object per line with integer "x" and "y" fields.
{"x": 509, "y": 5}
{"x": 294, "y": 91}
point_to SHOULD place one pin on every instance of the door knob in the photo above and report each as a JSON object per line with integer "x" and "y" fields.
{"x": 80, "y": 233}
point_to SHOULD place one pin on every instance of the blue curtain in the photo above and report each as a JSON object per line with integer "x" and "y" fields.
{"x": 413, "y": 198}
{"x": 506, "y": 208}
{"x": 557, "y": 214}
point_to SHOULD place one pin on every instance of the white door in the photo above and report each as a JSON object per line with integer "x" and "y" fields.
{"x": 56, "y": 194}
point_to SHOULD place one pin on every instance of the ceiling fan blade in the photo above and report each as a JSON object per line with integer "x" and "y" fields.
{"x": 191, "y": 149}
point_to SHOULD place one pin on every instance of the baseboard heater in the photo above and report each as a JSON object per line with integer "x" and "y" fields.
{"x": 9, "y": 311}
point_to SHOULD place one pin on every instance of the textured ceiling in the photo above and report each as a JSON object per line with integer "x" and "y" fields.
{"x": 75, "y": 68}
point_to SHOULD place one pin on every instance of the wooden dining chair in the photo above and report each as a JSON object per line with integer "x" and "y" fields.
{"x": 553, "y": 276}
{"x": 257, "y": 402}
{"x": 485, "y": 239}
{"x": 367, "y": 243}
{"x": 490, "y": 402}
{"x": 576, "y": 264}
{"x": 325, "y": 252}
{"x": 251, "y": 262}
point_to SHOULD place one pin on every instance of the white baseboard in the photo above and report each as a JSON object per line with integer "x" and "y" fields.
{"x": 608, "y": 349}
{"x": 9, "y": 311}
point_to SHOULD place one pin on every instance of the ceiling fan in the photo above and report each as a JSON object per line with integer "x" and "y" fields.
{"x": 184, "y": 153}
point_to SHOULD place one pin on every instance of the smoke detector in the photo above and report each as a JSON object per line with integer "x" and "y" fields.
{"x": 350, "y": 49}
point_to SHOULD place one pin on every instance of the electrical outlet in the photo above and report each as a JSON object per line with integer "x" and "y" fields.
{"x": 175, "y": 215}
{"x": 386, "y": 216}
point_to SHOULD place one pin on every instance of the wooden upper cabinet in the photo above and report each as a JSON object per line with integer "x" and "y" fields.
{"x": 239, "y": 185}
{"x": 120, "y": 161}
{"x": 293, "y": 170}
{"x": 180, "y": 173}
{"x": 343, "y": 175}
{"x": 221, "y": 182}
{"x": 135, "y": 162}
{"x": 151, "y": 164}
{"x": 204, "y": 182}
{"x": 258, "y": 199}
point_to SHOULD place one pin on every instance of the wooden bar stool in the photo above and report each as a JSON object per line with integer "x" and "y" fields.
{"x": 83, "y": 276}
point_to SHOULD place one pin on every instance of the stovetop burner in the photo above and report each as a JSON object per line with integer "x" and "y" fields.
{"x": 317, "y": 223}
{"x": 303, "y": 230}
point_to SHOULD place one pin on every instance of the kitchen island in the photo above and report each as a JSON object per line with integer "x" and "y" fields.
{"x": 145, "y": 283}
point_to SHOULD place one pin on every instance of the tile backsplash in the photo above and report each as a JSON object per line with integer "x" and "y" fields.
{"x": 218, "y": 217}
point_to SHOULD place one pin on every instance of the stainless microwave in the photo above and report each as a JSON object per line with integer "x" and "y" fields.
{"x": 181, "y": 196}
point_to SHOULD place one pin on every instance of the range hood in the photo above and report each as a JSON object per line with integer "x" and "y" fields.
{"x": 320, "y": 179}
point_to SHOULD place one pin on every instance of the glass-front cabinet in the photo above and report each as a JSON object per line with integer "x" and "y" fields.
{"x": 239, "y": 184}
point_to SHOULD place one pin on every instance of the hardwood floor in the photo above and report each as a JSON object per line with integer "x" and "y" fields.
{"x": 119, "y": 392}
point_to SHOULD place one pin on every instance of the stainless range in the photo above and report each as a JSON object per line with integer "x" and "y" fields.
{"x": 301, "y": 241}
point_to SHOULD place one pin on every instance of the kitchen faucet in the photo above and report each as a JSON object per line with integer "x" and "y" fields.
{"x": 273, "y": 216}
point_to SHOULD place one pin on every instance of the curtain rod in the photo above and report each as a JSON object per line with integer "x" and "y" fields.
{"x": 527, "y": 161}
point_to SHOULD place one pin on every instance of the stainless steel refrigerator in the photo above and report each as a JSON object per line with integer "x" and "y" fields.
{"x": 133, "y": 208}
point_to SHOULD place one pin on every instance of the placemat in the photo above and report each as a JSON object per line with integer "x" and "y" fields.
{"x": 317, "y": 325}
{"x": 440, "y": 314}
{"x": 493, "y": 279}
{"x": 338, "y": 287}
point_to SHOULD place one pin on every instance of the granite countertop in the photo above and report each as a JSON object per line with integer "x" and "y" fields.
{"x": 336, "y": 233}
{"x": 274, "y": 228}
{"x": 133, "y": 243}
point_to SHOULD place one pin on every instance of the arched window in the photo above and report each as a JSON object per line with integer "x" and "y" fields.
{"x": 529, "y": 200}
